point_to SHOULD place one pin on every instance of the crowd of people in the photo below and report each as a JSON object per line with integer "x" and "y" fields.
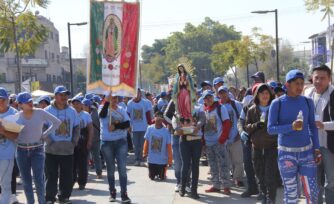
{"x": 275, "y": 134}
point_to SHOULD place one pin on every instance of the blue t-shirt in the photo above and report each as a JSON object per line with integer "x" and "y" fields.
{"x": 7, "y": 146}
{"x": 122, "y": 104}
{"x": 234, "y": 120}
{"x": 213, "y": 127}
{"x": 85, "y": 118}
{"x": 69, "y": 119}
{"x": 158, "y": 140}
{"x": 280, "y": 121}
{"x": 137, "y": 112}
{"x": 114, "y": 116}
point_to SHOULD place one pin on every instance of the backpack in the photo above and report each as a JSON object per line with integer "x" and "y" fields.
{"x": 219, "y": 110}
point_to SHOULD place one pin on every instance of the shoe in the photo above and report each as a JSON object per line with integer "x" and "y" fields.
{"x": 50, "y": 202}
{"x": 65, "y": 201}
{"x": 13, "y": 199}
{"x": 227, "y": 191}
{"x": 248, "y": 193}
{"x": 125, "y": 198}
{"x": 99, "y": 176}
{"x": 212, "y": 190}
{"x": 81, "y": 187}
{"x": 142, "y": 164}
{"x": 239, "y": 184}
{"x": 194, "y": 195}
{"x": 177, "y": 188}
{"x": 112, "y": 197}
{"x": 182, "y": 192}
{"x": 188, "y": 190}
{"x": 261, "y": 196}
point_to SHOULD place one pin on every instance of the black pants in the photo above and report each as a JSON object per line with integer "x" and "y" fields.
{"x": 129, "y": 139}
{"x": 156, "y": 170}
{"x": 190, "y": 156}
{"x": 58, "y": 167}
{"x": 80, "y": 165}
{"x": 248, "y": 166}
{"x": 14, "y": 175}
{"x": 266, "y": 170}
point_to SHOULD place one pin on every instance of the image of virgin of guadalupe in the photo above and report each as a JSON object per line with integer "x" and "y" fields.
{"x": 184, "y": 95}
{"x": 111, "y": 49}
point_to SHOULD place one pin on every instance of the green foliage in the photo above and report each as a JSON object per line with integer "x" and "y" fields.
{"x": 323, "y": 5}
{"x": 16, "y": 21}
{"x": 194, "y": 43}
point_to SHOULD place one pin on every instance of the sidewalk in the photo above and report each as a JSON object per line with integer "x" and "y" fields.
{"x": 142, "y": 190}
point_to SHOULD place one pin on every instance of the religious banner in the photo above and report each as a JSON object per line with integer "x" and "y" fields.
{"x": 114, "y": 31}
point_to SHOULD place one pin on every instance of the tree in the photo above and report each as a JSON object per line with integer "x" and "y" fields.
{"x": 325, "y": 6}
{"x": 20, "y": 31}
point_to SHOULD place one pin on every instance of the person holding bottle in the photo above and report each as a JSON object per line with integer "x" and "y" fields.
{"x": 264, "y": 146}
{"x": 298, "y": 142}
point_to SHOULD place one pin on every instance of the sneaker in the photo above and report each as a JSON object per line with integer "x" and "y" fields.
{"x": 112, "y": 196}
{"x": 13, "y": 199}
{"x": 81, "y": 187}
{"x": 142, "y": 164}
{"x": 182, "y": 192}
{"x": 261, "y": 196}
{"x": 177, "y": 188}
{"x": 125, "y": 198}
{"x": 194, "y": 195}
{"x": 188, "y": 190}
{"x": 99, "y": 176}
{"x": 227, "y": 191}
{"x": 212, "y": 190}
{"x": 248, "y": 193}
{"x": 65, "y": 201}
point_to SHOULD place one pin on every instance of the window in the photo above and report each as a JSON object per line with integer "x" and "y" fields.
{"x": 53, "y": 57}
{"x": 3, "y": 78}
{"x": 48, "y": 78}
{"x": 2, "y": 54}
{"x": 58, "y": 60}
{"x": 57, "y": 38}
{"x": 46, "y": 54}
{"x": 51, "y": 35}
{"x": 54, "y": 78}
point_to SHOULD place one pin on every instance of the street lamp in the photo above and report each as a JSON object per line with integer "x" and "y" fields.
{"x": 277, "y": 50}
{"x": 70, "y": 51}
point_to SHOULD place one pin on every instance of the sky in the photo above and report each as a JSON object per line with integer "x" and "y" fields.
{"x": 160, "y": 18}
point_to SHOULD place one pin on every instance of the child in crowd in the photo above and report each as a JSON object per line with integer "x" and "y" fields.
{"x": 158, "y": 148}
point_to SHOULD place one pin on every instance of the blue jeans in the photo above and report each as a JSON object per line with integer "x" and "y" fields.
{"x": 118, "y": 150}
{"x": 138, "y": 142}
{"x": 95, "y": 151}
{"x": 6, "y": 169}
{"x": 292, "y": 165}
{"x": 177, "y": 158}
{"x": 325, "y": 170}
{"x": 27, "y": 160}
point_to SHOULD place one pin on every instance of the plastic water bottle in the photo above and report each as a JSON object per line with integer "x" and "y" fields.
{"x": 300, "y": 118}
{"x": 263, "y": 117}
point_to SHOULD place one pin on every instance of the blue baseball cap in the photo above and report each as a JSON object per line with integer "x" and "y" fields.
{"x": 87, "y": 102}
{"x": 294, "y": 74}
{"x": 89, "y": 96}
{"x": 207, "y": 93}
{"x": 223, "y": 88}
{"x": 206, "y": 83}
{"x": 24, "y": 97}
{"x": 272, "y": 84}
{"x": 163, "y": 94}
{"x": 44, "y": 98}
{"x": 61, "y": 89}
{"x": 3, "y": 93}
{"x": 97, "y": 98}
{"x": 77, "y": 98}
{"x": 218, "y": 80}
